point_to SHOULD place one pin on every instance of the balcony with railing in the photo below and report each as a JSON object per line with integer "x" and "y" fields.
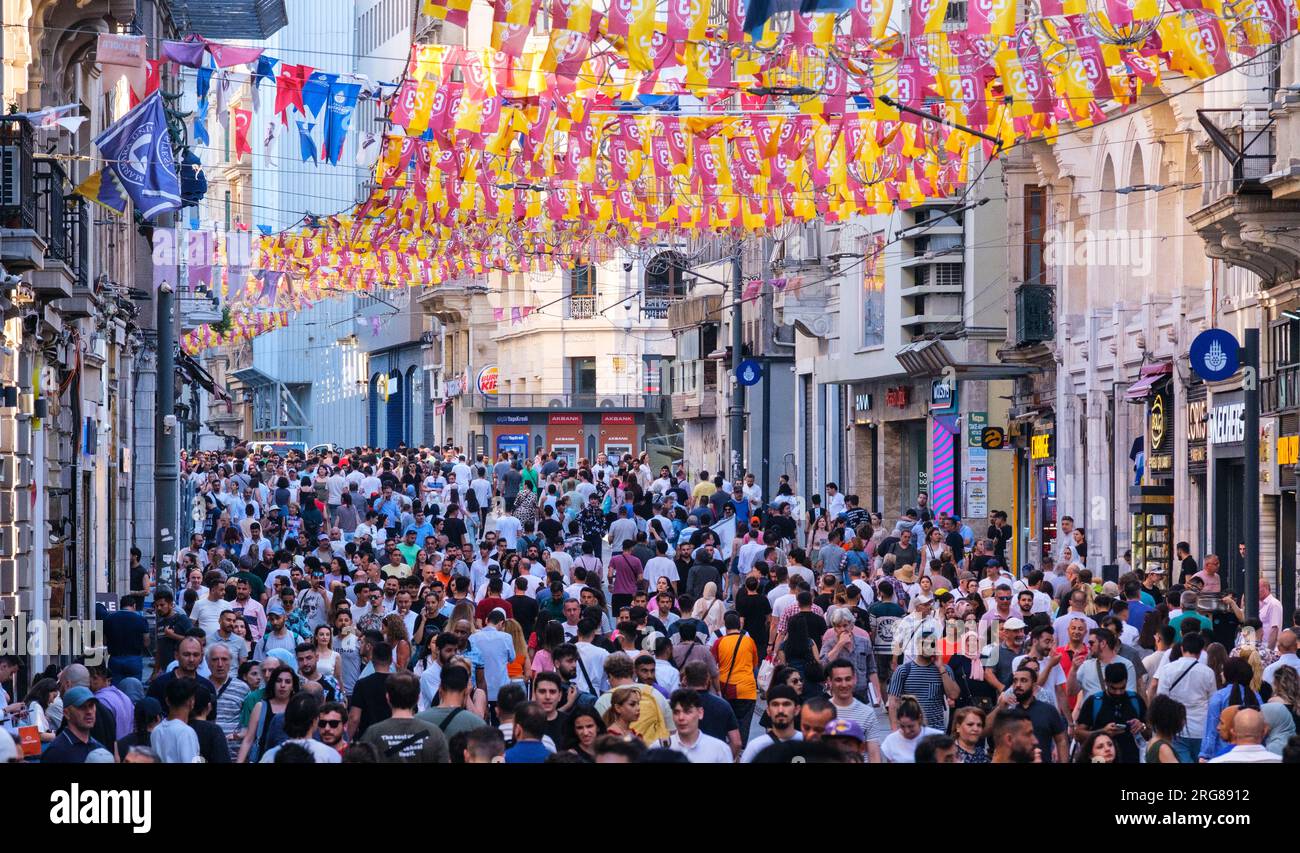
{"x": 1240, "y": 220}
{"x": 578, "y": 307}
{"x": 693, "y": 386}
{"x": 656, "y": 307}
{"x": 1035, "y": 314}
{"x": 1281, "y": 391}
{"x": 44, "y": 228}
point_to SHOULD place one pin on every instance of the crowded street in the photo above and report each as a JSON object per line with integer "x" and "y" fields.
{"x": 740, "y": 382}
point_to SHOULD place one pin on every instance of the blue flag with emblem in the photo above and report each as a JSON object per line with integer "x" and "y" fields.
{"x": 138, "y": 148}
{"x": 316, "y": 91}
{"x": 305, "y": 142}
{"x": 338, "y": 118}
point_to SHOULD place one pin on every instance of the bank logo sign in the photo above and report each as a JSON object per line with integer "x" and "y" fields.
{"x": 1215, "y": 355}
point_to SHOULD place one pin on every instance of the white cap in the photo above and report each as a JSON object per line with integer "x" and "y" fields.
{"x": 1013, "y": 624}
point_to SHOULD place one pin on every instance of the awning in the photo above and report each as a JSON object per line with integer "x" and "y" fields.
{"x": 196, "y": 373}
{"x": 928, "y": 359}
{"x": 1152, "y": 375}
{"x": 254, "y": 20}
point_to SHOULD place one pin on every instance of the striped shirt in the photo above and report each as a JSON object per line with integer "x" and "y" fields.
{"x": 864, "y": 715}
{"x": 926, "y": 684}
{"x": 229, "y": 701}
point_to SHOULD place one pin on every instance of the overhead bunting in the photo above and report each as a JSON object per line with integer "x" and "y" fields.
{"x": 649, "y": 125}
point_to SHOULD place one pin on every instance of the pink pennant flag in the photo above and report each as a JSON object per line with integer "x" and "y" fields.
{"x": 498, "y": 314}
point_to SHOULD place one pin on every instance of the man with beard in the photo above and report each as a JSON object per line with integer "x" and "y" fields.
{"x": 1048, "y": 726}
{"x": 782, "y": 708}
{"x": 1013, "y": 738}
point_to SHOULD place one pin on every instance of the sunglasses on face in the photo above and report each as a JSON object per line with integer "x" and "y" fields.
{"x": 330, "y": 724}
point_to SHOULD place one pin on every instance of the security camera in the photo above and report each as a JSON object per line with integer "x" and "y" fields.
{"x": 10, "y": 281}
{"x": 627, "y": 266}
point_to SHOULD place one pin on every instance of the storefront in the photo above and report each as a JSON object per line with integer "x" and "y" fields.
{"x": 1042, "y": 488}
{"x": 1226, "y": 436}
{"x": 571, "y": 435}
{"x": 1151, "y": 501}
{"x": 866, "y": 447}
{"x": 618, "y": 435}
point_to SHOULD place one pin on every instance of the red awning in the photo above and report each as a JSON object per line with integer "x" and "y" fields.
{"x": 1152, "y": 374}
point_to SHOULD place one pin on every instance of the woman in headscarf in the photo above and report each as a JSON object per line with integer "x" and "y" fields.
{"x": 710, "y": 608}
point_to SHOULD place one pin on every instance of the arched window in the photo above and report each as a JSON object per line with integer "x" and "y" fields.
{"x": 664, "y": 284}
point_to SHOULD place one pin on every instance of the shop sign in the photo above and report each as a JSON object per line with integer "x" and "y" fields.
{"x": 1042, "y": 445}
{"x": 1160, "y": 427}
{"x": 1288, "y": 449}
{"x": 564, "y": 420}
{"x": 1268, "y": 479}
{"x": 943, "y": 396}
{"x": 993, "y": 438}
{"x": 861, "y": 408}
{"x": 1227, "y": 424}
{"x": 898, "y": 396}
{"x": 512, "y": 419}
{"x": 1196, "y": 431}
{"x": 487, "y": 380}
{"x": 618, "y": 420}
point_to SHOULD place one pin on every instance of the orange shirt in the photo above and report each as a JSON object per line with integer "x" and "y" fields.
{"x": 741, "y": 676}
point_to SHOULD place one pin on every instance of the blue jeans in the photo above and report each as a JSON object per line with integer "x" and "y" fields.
{"x": 126, "y": 666}
{"x": 1187, "y": 748}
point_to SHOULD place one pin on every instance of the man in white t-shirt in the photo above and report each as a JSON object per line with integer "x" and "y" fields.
{"x": 508, "y": 528}
{"x": 660, "y": 566}
{"x": 1192, "y": 683}
{"x": 206, "y": 612}
{"x": 782, "y": 707}
{"x": 699, "y": 748}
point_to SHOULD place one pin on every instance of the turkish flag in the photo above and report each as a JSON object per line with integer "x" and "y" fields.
{"x": 243, "y": 119}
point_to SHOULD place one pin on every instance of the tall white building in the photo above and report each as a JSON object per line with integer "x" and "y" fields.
{"x": 308, "y": 381}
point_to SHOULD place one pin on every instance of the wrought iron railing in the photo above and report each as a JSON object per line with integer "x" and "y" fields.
{"x": 1035, "y": 313}
{"x": 1281, "y": 391}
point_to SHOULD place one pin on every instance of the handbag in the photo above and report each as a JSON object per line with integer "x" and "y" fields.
{"x": 729, "y": 691}
{"x": 764, "y": 676}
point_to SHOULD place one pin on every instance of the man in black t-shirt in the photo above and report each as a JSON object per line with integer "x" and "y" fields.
{"x": 1117, "y": 711}
{"x": 369, "y": 702}
{"x": 754, "y": 608}
{"x": 523, "y": 606}
{"x": 1187, "y": 566}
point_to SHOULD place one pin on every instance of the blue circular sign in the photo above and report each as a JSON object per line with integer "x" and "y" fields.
{"x": 1215, "y": 355}
{"x": 749, "y": 372}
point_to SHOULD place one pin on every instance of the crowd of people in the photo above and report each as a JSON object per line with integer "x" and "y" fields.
{"x": 422, "y": 605}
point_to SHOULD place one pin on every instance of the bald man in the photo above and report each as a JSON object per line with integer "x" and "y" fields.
{"x": 1287, "y": 642}
{"x": 1246, "y": 729}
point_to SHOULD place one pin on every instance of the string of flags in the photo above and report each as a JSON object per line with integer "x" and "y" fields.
{"x": 642, "y": 124}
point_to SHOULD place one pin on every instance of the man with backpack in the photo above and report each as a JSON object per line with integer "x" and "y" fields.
{"x": 1117, "y": 711}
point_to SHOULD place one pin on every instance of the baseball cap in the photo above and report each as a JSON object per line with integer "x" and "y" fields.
{"x": 923, "y": 599}
{"x": 1014, "y": 624}
{"x": 100, "y": 756}
{"x": 844, "y": 728}
{"x": 1156, "y": 571}
{"x": 324, "y": 537}
{"x": 77, "y": 696}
